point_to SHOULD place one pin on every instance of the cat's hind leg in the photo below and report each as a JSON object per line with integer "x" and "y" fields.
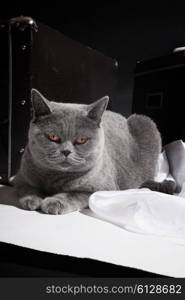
{"x": 166, "y": 186}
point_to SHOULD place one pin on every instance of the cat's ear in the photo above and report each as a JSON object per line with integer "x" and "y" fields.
{"x": 40, "y": 105}
{"x": 96, "y": 109}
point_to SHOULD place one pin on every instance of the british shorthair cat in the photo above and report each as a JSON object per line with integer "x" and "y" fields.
{"x": 74, "y": 150}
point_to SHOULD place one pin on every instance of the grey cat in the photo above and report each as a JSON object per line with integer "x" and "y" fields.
{"x": 74, "y": 150}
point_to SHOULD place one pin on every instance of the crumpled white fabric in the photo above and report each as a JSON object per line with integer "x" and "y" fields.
{"x": 145, "y": 211}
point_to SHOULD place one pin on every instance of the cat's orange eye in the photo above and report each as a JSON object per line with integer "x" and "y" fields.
{"x": 53, "y": 137}
{"x": 81, "y": 140}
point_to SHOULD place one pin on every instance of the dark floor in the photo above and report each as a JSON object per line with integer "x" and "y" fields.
{"x": 17, "y": 261}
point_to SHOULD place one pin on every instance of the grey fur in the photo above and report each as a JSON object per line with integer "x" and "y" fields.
{"x": 120, "y": 154}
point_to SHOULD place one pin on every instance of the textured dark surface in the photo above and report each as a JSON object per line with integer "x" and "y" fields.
{"x": 23, "y": 262}
{"x": 159, "y": 92}
{"x": 126, "y": 30}
{"x": 4, "y": 111}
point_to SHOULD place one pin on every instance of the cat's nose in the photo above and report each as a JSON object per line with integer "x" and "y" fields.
{"x": 66, "y": 152}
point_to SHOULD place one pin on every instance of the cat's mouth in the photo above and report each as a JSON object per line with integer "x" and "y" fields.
{"x": 68, "y": 162}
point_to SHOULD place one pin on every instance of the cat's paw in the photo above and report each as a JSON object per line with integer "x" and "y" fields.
{"x": 30, "y": 202}
{"x": 53, "y": 206}
{"x": 166, "y": 186}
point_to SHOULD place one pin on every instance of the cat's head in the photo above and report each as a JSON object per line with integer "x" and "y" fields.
{"x": 65, "y": 136}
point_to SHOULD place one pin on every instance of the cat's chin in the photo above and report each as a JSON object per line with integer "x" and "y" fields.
{"x": 72, "y": 163}
{"x": 65, "y": 165}
{"x": 68, "y": 166}
{"x": 65, "y": 168}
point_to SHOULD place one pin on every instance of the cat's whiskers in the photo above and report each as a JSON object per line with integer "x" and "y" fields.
{"x": 72, "y": 159}
{"x": 53, "y": 156}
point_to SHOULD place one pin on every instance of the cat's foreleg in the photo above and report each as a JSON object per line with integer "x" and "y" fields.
{"x": 29, "y": 198}
{"x": 65, "y": 203}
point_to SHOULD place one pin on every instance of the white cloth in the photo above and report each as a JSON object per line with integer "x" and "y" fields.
{"x": 175, "y": 153}
{"x": 142, "y": 211}
{"x": 162, "y": 168}
{"x": 145, "y": 211}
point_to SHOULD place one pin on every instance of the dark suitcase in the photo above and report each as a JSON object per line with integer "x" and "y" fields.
{"x": 159, "y": 92}
{"x": 35, "y": 55}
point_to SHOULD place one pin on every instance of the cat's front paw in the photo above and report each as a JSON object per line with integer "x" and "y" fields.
{"x": 53, "y": 206}
{"x": 30, "y": 202}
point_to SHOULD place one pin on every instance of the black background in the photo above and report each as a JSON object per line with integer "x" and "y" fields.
{"x": 125, "y": 30}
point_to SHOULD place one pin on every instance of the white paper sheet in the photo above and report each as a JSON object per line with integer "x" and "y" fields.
{"x": 80, "y": 235}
